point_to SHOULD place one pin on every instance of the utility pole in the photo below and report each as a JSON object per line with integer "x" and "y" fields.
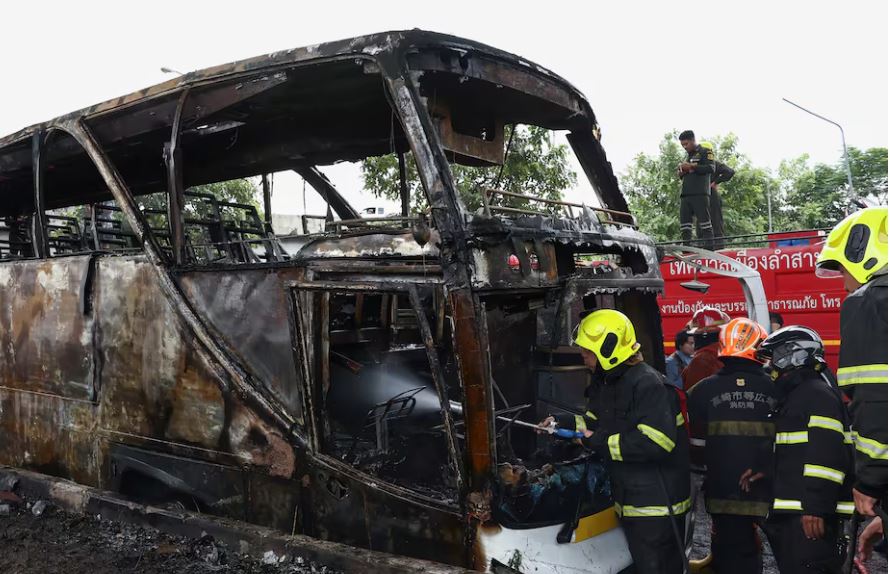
{"x": 843, "y": 141}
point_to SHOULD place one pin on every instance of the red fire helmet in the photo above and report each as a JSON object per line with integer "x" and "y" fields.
{"x": 707, "y": 320}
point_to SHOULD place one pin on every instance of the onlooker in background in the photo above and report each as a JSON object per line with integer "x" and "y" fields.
{"x": 695, "y": 192}
{"x": 684, "y": 347}
{"x": 705, "y": 329}
{"x": 775, "y": 322}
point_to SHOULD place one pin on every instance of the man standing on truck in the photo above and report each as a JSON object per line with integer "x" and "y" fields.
{"x": 722, "y": 173}
{"x": 856, "y": 249}
{"x": 705, "y": 327}
{"x": 641, "y": 438}
{"x": 813, "y": 457}
{"x": 729, "y": 418}
{"x": 695, "y": 192}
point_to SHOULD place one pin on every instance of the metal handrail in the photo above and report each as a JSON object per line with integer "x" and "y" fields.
{"x": 365, "y": 221}
{"x": 747, "y": 239}
{"x": 489, "y": 192}
{"x": 761, "y": 234}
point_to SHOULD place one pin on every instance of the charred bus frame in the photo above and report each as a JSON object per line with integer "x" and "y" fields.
{"x": 202, "y": 377}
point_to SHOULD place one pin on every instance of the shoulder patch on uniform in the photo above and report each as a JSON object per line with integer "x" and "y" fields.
{"x": 740, "y": 382}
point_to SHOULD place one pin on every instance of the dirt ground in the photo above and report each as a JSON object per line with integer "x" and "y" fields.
{"x": 49, "y": 541}
{"x": 55, "y": 541}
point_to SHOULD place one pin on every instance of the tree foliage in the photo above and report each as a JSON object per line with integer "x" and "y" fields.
{"x": 236, "y": 190}
{"x": 803, "y": 196}
{"x": 534, "y": 165}
{"x": 816, "y": 197}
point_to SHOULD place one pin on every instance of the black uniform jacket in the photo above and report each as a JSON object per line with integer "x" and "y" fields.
{"x": 814, "y": 451}
{"x": 732, "y": 431}
{"x": 722, "y": 173}
{"x": 862, "y": 375}
{"x": 698, "y": 182}
{"x": 641, "y": 436}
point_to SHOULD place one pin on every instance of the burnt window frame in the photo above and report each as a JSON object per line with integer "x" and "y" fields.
{"x": 583, "y": 135}
{"x": 310, "y": 363}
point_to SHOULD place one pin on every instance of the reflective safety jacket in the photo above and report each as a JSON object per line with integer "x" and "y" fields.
{"x": 862, "y": 375}
{"x": 814, "y": 449}
{"x": 644, "y": 442}
{"x": 732, "y": 431}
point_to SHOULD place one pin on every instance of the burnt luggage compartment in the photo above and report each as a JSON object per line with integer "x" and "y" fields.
{"x": 354, "y": 380}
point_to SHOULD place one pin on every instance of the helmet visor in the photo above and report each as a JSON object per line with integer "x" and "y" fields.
{"x": 826, "y": 273}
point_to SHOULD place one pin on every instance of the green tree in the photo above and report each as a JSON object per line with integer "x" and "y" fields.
{"x": 243, "y": 190}
{"x": 816, "y": 197}
{"x": 653, "y": 189}
{"x": 534, "y": 166}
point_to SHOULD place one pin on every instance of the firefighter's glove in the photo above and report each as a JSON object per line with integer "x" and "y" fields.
{"x": 597, "y": 441}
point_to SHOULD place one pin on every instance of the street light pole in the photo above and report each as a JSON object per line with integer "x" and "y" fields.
{"x": 769, "y": 207}
{"x": 843, "y": 141}
{"x": 166, "y": 70}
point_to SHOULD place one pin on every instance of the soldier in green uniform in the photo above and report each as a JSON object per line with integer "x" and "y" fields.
{"x": 695, "y": 195}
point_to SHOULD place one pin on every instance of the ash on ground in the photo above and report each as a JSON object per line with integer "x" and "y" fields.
{"x": 38, "y": 538}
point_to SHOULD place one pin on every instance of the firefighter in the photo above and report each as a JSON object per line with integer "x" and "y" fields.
{"x": 641, "y": 436}
{"x": 705, "y": 328}
{"x": 695, "y": 191}
{"x": 813, "y": 456}
{"x": 856, "y": 249}
{"x": 729, "y": 417}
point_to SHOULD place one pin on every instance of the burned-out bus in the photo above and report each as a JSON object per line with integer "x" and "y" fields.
{"x": 357, "y": 382}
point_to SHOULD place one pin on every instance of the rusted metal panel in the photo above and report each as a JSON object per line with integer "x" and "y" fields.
{"x": 154, "y": 382}
{"x": 46, "y": 338}
{"x": 249, "y": 310}
{"x": 49, "y": 433}
{"x": 157, "y": 381}
{"x": 468, "y": 346}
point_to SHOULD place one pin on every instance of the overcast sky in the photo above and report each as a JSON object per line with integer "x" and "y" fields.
{"x": 646, "y": 67}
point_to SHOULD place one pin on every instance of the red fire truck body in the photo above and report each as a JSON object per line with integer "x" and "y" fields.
{"x": 787, "y": 269}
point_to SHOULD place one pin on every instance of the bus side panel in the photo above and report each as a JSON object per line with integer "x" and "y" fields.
{"x": 47, "y": 416}
{"x": 161, "y": 392}
{"x": 154, "y": 381}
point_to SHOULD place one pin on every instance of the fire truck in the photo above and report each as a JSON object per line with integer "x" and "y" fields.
{"x": 786, "y": 265}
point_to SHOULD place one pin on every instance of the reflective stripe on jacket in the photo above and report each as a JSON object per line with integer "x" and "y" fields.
{"x": 813, "y": 452}
{"x": 729, "y": 415}
{"x": 862, "y": 376}
{"x": 646, "y": 442}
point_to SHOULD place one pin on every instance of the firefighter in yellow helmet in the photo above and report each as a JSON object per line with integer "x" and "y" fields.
{"x": 856, "y": 249}
{"x": 640, "y": 434}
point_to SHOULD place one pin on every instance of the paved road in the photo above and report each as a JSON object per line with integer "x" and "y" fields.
{"x": 702, "y": 539}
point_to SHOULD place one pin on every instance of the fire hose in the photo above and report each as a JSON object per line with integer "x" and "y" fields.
{"x": 552, "y": 428}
